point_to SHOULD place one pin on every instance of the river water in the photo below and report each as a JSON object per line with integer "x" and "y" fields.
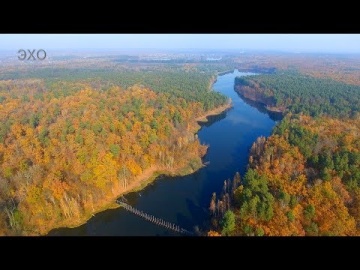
{"x": 185, "y": 200}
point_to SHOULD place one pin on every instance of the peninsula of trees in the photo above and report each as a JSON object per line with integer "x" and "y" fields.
{"x": 71, "y": 140}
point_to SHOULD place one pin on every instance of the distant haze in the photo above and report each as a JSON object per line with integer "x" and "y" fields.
{"x": 329, "y": 43}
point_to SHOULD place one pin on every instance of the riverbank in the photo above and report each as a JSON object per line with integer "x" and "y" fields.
{"x": 275, "y": 109}
{"x": 216, "y": 111}
{"x": 212, "y": 81}
{"x": 253, "y": 94}
{"x": 137, "y": 184}
{"x": 149, "y": 175}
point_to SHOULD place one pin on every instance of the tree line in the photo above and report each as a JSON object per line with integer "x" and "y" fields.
{"x": 295, "y": 92}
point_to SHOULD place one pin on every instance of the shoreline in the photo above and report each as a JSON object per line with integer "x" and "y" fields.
{"x": 267, "y": 107}
{"x": 148, "y": 176}
{"x": 274, "y": 109}
{"x": 216, "y": 111}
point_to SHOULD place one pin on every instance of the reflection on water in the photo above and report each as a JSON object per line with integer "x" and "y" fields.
{"x": 214, "y": 118}
{"x": 275, "y": 116}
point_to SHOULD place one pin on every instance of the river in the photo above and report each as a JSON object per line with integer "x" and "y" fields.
{"x": 185, "y": 200}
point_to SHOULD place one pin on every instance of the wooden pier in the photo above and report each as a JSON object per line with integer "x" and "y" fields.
{"x": 153, "y": 219}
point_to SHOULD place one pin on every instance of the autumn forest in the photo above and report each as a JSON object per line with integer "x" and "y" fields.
{"x": 69, "y": 146}
{"x": 304, "y": 179}
{"x": 78, "y": 133}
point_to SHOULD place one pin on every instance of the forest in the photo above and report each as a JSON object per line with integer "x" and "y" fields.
{"x": 297, "y": 93}
{"x": 178, "y": 81}
{"x": 77, "y": 133}
{"x": 341, "y": 67}
{"x": 71, "y": 143}
{"x": 304, "y": 179}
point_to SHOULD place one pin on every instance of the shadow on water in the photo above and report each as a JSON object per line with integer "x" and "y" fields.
{"x": 275, "y": 116}
{"x": 214, "y": 118}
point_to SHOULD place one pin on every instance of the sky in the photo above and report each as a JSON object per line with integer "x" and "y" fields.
{"x": 332, "y": 43}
